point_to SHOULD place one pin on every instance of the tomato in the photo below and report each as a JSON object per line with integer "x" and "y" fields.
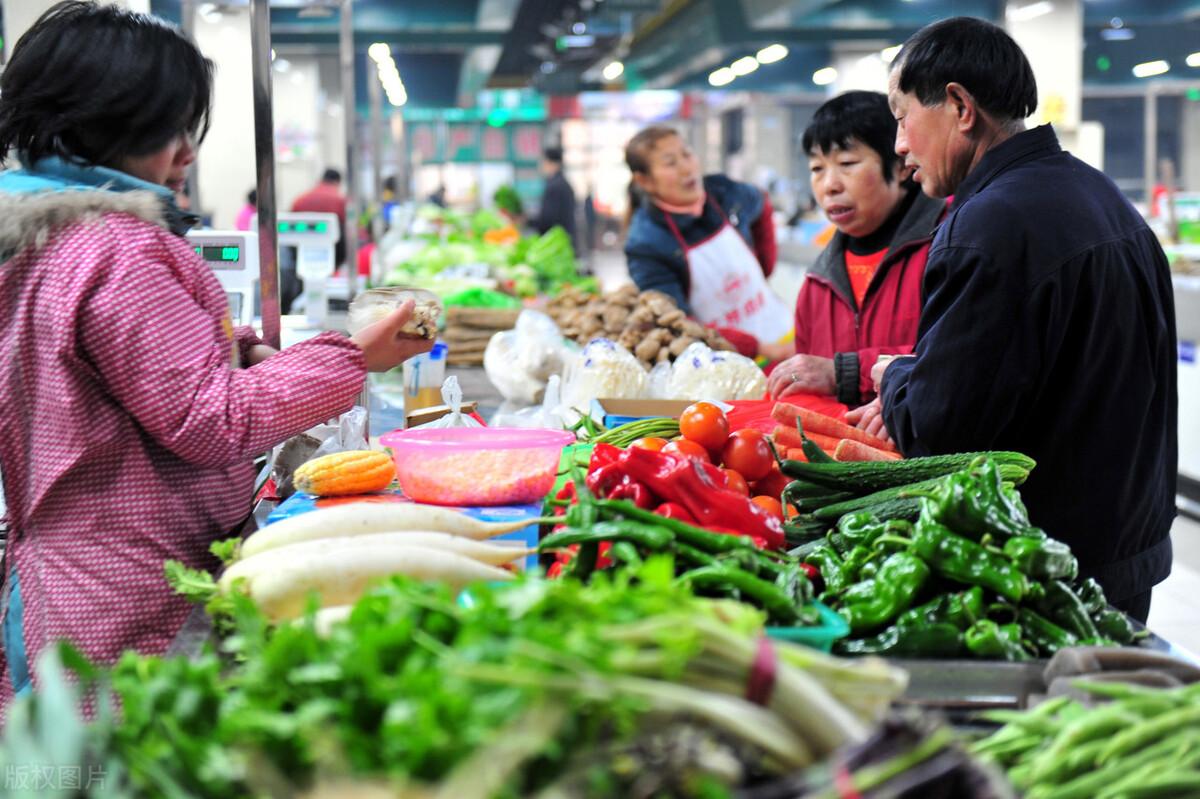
{"x": 747, "y": 451}
{"x": 736, "y": 482}
{"x": 688, "y": 448}
{"x": 772, "y": 485}
{"x": 705, "y": 424}
{"x": 769, "y": 504}
{"x": 651, "y": 443}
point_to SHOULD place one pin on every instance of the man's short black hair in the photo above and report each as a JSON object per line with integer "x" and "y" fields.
{"x": 975, "y": 53}
{"x": 857, "y": 115}
{"x": 95, "y": 83}
{"x": 331, "y": 176}
{"x": 553, "y": 154}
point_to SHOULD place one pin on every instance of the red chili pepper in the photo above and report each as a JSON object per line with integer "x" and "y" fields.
{"x": 565, "y": 494}
{"x": 602, "y": 455}
{"x": 673, "y": 510}
{"x": 685, "y": 481}
{"x": 603, "y": 479}
{"x": 810, "y": 571}
{"x": 635, "y": 492}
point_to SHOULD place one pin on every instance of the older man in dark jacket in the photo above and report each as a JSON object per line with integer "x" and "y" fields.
{"x": 1049, "y": 325}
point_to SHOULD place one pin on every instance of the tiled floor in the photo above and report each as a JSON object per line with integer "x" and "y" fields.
{"x": 1175, "y": 607}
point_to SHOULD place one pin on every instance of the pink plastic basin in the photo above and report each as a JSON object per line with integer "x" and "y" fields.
{"x": 477, "y": 465}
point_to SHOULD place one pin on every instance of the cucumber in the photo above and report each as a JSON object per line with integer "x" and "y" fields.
{"x": 831, "y": 513}
{"x": 865, "y": 477}
{"x": 906, "y": 508}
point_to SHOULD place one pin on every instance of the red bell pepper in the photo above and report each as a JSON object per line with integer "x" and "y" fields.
{"x": 687, "y": 482}
{"x": 635, "y": 492}
{"x": 673, "y": 510}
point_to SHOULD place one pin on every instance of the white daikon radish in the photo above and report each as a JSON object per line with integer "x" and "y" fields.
{"x": 482, "y": 551}
{"x": 340, "y": 576}
{"x": 325, "y": 618}
{"x": 360, "y": 518}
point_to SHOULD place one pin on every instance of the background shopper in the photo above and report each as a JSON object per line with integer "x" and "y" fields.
{"x": 862, "y": 297}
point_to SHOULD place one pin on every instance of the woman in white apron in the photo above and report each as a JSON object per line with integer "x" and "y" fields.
{"x": 709, "y": 242}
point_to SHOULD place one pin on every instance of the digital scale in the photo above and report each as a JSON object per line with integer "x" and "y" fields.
{"x": 233, "y": 257}
{"x": 311, "y": 237}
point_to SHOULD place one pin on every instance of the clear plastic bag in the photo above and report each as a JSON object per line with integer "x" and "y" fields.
{"x": 550, "y": 415}
{"x": 452, "y": 398}
{"x": 604, "y": 369}
{"x": 700, "y": 373}
{"x": 348, "y": 433}
{"x": 519, "y": 362}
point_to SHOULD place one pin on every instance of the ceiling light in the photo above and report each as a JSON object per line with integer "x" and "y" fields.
{"x": 744, "y": 66}
{"x": 1150, "y": 68}
{"x": 379, "y": 51}
{"x": 547, "y": 67}
{"x": 614, "y": 70}
{"x": 825, "y": 76}
{"x": 771, "y": 53}
{"x": 1031, "y": 11}
{"x": 721, "y": 77}
{"x": 272, "y": 53}
{"x": 578, "y": 28}
{"x": 1193, "y": 60}
{"x": 888, "y": 54}
{"x": 282, "y": 65}
{"x": 209, "y": 12}
{"x": 1117, "y": 34}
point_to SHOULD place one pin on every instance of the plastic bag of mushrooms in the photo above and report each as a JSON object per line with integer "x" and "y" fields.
{"x": 649, "y": 324}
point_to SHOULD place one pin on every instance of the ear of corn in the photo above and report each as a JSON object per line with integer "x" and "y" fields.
{"x": 343, "y": 473}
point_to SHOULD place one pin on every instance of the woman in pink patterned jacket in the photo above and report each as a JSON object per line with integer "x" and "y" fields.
{"x": 130, "y": 408}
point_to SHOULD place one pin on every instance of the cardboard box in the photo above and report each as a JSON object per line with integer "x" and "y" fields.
{"x": 616, "y": 412}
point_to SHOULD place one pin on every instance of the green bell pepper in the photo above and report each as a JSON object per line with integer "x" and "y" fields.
{"x": 1115, "y": 625}
{"x": 855, "y": 529}
{"x": 974, "y": 503}
{"x": 1062, "y": 605}
{"x": 986, "y": 639}
{"x": 874, "y": 602}
{"x": 1045, "y": 636}
{"x": 965, "y": 561}
{"x": 1042, "y": 558}
{"x": 905, "y": 640}
{"x": 960, "y": 610}
{"x": 833, "y": 570}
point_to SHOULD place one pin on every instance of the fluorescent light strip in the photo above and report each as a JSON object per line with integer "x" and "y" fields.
{"x": 1149, "y": 69}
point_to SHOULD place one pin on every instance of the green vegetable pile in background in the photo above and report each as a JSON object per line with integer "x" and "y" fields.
{"x": 1145, "y": 742}
{"x": 507, "y": 199}
{"x": 544, "y": 688}
{"x": 971, "y": 577}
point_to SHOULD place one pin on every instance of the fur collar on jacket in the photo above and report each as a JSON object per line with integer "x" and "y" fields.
{"x": 30, "y": 219}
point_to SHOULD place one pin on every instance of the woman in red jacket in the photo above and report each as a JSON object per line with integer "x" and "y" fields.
{"x": 862, "y": 298}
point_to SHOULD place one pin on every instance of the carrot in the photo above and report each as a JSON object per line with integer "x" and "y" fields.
{"x": 850, "y": 450}
{"x": 795, "y": 454}
{"x": 786, "y": 414}
{"x": 789, "y": 438}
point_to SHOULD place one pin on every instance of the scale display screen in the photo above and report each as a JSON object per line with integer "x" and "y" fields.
{"x": 303, "y": 227}
{"x": 220, "y": 256}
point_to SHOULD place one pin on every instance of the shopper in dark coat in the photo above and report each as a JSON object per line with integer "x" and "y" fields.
{"x": 1049, "y": 323}
{"x": 558, "y": 198}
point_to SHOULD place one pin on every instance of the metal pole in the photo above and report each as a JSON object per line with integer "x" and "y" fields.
{"x": 350, "y": 117}
{"x": 187, "y": 13}
{"x": 1150, "y": 145}
{"x": 403, "y": 170}
{"x": 264, "y": 154}
{"x": 375, "y": 91}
